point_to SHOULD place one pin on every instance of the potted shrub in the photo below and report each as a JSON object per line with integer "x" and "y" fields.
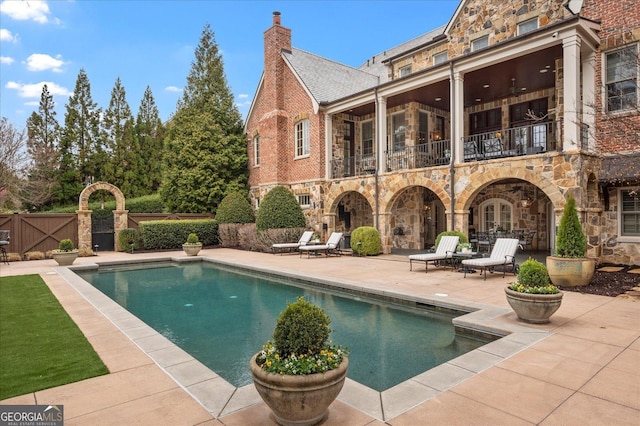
{"x": 569, "y": 267}
{"x": 533, "y": 297}
{"x": 464, "y": 248}
{"x": 301, "y": 372}
{"x": 193, "y": 245}
{"x": 66, "y": 253}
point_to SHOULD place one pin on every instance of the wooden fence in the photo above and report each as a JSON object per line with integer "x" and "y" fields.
{"x": 43, "y": 232}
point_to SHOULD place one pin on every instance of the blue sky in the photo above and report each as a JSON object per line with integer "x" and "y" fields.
{"x": 151, "y": 43}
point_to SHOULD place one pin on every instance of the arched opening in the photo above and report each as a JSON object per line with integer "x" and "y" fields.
{"x": 85, "y": 229}
{"x": 352, "y": 211}
{"x": 417, "y": 216}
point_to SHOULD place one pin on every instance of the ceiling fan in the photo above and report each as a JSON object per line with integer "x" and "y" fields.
{"x": 515, "y": 91}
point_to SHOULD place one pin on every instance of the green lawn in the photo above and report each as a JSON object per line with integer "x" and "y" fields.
{"x": 40, "y": 346}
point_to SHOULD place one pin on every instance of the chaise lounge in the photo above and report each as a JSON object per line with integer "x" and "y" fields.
{"x": 446, "y": 247}
{"x": 289, "y": 247}
{"x": 503, "y": 254}
{"x": 330, "y": 247}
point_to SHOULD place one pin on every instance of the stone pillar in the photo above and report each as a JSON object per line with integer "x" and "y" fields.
{"x": 457, "y": 117}
{"x": 461, "y": 221}
{"x": 571, "y": 86}
{"x": 386, "y": 233}
{"x": 120, "y": 220}
{"x": 84, "y": 229}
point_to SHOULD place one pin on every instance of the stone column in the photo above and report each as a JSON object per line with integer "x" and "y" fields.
{"x": 120, "y": 220}
{"x": 571, "y": 86}
{"x": 84, "y": 229}
{"x": 386, "y": 234}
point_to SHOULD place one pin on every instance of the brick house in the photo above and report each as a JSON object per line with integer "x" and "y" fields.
{"x": 485, "y": 123}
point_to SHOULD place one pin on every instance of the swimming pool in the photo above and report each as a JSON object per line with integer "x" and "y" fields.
{"x": 222, "y": 317}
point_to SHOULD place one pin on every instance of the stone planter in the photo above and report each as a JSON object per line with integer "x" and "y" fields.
{"x": 192, "y": 249}
{"x": 65, "y": 258}
{"x": 567, "y": 272}
{"x": 533, "y": 308}
{"x": 299, "y": 400}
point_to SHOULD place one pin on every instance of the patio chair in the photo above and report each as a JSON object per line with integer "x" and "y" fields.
{"x": 332, "y": 246}
{"x": 526, "y": 240}
{"x": 289, "y": 247}
{"x": 446, "y": 247}
{"x": 5, "y": 236}
{"x": 503, "y": 254}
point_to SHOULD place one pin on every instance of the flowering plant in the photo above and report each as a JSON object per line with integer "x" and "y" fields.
{"x": 301, "y": 344}
{"x": 298, "y": 364}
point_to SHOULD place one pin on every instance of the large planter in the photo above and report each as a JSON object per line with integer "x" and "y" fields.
{"x": 299, "y": 400}
{"x": 568, "y": 272}
{"x": 192, "y": 249}
{"x": 533, "y": 308}
{"x": 65, "y": 258}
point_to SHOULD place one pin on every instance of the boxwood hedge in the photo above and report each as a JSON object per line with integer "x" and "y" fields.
{"x": 171, "y": 234}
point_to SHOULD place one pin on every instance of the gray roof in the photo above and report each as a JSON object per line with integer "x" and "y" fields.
{"x": 328, "y": 80}
{"x": 375, "y": 64}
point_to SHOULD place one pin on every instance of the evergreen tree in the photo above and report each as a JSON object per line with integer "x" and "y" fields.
{"x": 121, "y": 167}
{"x": 205, "y": 155}
{"x": 81, "y": 151}
{"x": 150, "y": 134}
{"x": 43, "y": 135}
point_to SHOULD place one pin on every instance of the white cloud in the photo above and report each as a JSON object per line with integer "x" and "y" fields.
{"x": 5, "y": 35}
{"x": 31, "y": 10}
{"x": 6, "y": 60}
{"x": 43, "y": 62}
{"x": 243, "y": 96}
{"x": 35, "y": 90}
{"x": 173, "y": 89}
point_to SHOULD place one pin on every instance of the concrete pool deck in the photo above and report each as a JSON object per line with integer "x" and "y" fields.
{"x": 582, "y": 368}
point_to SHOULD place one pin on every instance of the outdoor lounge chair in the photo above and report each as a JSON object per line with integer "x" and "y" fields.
{"x": 503, "y": 254}
{"x": 289, "y": 247}
{"x": 332, "y": 246}
{"x": 446, "y": 247}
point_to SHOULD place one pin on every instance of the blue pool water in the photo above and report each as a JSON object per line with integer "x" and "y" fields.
{"x": 222, "y": 317}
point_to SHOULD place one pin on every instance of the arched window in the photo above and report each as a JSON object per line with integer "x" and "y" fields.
{"x": 496, "y": 212}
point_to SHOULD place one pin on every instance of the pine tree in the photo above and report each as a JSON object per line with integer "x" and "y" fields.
{"x": 43, "y": 132}
{"x": 205, "y": 155}
{"x": 150, "y": 134}
{"x": 81, "y": 150}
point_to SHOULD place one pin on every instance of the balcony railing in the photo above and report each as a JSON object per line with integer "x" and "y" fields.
{"x": 512, "y": 142}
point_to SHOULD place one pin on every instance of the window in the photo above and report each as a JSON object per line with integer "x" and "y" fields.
{"x": 480, "y": 43}
{"x": 304, "y": 200}
{"x": 440, "y": 58}
{"x": 302, "y": 138}
{"x": 398, "y": 131}
{"x": 494, "y": 213}
{"x": 485, "y": 121}
{"x": 423, "y": 127}
{"x": 367, "y": 138}
{"x": 622, "y": 79}
{"x": 256, "y": 150}
{"x": 630, "y": 211}
{"x": 405, "y": 71}
{"x": 527, "y": 26}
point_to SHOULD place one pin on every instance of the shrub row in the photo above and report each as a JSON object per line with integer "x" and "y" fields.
{"x": 171, "y": 234}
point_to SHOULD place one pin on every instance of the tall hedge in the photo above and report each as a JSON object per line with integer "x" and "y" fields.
{"x": 280, "y": 209}
{"x": 235, "y": 208}
{"x": 171, "y": 234}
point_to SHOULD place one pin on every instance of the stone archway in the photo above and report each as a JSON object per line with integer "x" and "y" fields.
{"x": 120, "y": 215}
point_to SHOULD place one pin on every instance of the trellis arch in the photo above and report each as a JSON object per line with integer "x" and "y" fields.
{"x": 120, "y": 215}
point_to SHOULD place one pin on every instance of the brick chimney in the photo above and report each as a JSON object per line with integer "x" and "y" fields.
{"x": 276, "y": 39}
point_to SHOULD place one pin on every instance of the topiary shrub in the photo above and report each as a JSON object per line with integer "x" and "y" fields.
{"x": 280, "y": 209}
{"x": 570, "y": 241}
{"x": 126, "y": 238}
{"x": 235, "y": 208}
{"x": 365, "y": 241}
{"x": 302, "y": 328}
{"x": 192, "y": 238}
{"x": 66, "y": 245}
{"x": 533, "y": 277}
{"x": 463, "y": 237}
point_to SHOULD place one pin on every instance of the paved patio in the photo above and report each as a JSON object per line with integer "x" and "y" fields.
{"x": 580, "y": 369}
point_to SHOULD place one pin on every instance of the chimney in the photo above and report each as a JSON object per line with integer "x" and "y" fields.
{"x": 276, "y": 39}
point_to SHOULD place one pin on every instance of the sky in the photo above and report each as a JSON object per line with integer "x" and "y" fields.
{"x": 152, "y": 43}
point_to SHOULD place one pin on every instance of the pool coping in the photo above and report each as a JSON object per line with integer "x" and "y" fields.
{"x": 221, "y": 398}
